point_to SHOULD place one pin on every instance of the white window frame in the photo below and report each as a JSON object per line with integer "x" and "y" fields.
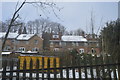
{"x": 35, "y": 49}
{"x": 56, "y": 49}
{"x": 70, "y": 48}
{"x": 85, "y": 44}
{"x": 51, "y": 43}
{"x": 35, "y": 41}
{"x": 73, "y": 43}
{"x": 77, "y": 44}
{"x": 81, "y": 50}
{"x": 60, "y": 43}
{"x": 55, "y": 36}
{"x": 22, "y": 49}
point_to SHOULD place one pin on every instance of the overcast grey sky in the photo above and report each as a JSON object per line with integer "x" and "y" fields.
{"x": 73, "y": 14}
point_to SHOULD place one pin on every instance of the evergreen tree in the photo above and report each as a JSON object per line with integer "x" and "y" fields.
{"x": 110, "y": 38}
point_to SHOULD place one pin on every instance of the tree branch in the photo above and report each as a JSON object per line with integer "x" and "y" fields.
{"x": 10, "y": 25}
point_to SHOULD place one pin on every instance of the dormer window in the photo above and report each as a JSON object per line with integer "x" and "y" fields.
{"x": 35, "y": 41}
{"x": 55, "y": 36}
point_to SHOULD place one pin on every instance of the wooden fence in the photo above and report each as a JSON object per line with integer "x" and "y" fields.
{"x": 94, "y": 68}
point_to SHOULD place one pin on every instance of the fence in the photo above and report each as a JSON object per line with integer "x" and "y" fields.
{"x": 87, "y": 69}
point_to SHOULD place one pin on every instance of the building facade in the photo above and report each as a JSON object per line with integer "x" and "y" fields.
{"x": 70, "y": 42}
{"x": 10, "y": 42}
{"x": 22, "y": 42}
{"x": 56, "y": 42}
{"x": 29, "y": 42}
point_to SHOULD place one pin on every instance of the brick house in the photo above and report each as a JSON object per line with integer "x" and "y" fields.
{"x": 70, "y": 42}
{"x": 22, "y": 42}
{"x": 93, "y": 43}
{"x": 10, "y": 42}
{"x": 29, "y": 42}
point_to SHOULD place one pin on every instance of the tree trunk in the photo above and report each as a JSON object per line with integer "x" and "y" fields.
{"x": 118, "y": 64}
{"x": 0, "y": 54}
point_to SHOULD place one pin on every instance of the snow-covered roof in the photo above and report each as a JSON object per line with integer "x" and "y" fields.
{"x": 6, "y": 52}
{"x": 30, "y": 52}
{"x": 13, "y": 35}
{"x": 25, "y": 36}
{"x": 10, "y": 35}
{"x": 1, "y": 35}
{"x": 73, "y": 38}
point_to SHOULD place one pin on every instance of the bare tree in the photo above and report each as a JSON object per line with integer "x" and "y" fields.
{"x": 14, "y": 17}
{"x": 57, "y": 28}
{"x": 77, "y": 32}
{"x": 38, "y": 26}
{"x": 41, "y": 26}
{"x": 3, "y": 27}
{"x": 29, "y": 27}
{"x": 41, "y": 5}
{"x": 15, "y": 26}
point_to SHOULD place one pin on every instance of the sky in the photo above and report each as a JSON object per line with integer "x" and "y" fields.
{"x": 73, "y": 15}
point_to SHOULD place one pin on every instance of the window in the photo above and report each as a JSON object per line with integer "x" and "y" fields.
{"x": 35, "y": 49}
{"x": 93, "y": 50}
{"x": 85, "y": 44}
{"x": 81, "y": 44}
{"x": 56, "y": 43}
{"x": 97, "y": 44}
{"x": 81, "y": 50}
{"x": 17, "y": 42}
{"x": 21, "y": 49}
{"x": 70, "y": 49}
{"x": 36, "y": 41}
{"x": 7, "y": 48}
{"x": 77, "y": 44}
{"x": 24, "y": 35}
{"x": 69, "y": 43}
{"x": 73, "y": 43}
{"x": 12, "y": 41}
{"x": 25, "y": 42}
{"x": 56, "y": 49}
{"x": 51, "y": 43}
{"x": 55, "y": 36}
{"x": 63, "y": 43}
{"x": 60, "y": 43}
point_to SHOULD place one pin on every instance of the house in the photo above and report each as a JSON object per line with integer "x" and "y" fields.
{"x": 29, "y": 42}
{"x": 22, "y": 42}
{"x": 93, "y": 43}
{"x": 70, "y": 42}
{"x": 10, "y": 42}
